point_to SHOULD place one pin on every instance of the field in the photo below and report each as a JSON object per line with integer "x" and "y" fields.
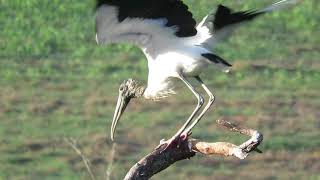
{"x": 57, "y": 83}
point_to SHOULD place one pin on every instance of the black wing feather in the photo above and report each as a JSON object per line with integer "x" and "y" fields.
{"x": 224, "y": 17}
{"x": 175, "y": 11}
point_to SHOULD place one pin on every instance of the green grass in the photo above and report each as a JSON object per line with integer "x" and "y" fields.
{"x": 56, "y": 82}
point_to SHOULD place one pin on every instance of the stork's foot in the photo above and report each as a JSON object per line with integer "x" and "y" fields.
{"x": 173, "y": 142}
{"x": 170, "y": 143}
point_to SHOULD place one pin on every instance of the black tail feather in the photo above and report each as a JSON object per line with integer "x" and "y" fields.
{"x": 215, "y": 59}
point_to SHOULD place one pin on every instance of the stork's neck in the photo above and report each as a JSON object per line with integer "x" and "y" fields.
{"x": 153, "y": 95}
{"x": 139, "y": 91}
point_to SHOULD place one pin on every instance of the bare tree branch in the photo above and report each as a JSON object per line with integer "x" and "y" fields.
{"x": 159, "y": 160}
{"x": 73, "y": 144}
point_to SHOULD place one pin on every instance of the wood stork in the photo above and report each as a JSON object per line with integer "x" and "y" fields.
{"x": 175, "y": 47}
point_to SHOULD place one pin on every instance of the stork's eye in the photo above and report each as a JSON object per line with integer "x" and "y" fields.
{"x": 121, "y": 88}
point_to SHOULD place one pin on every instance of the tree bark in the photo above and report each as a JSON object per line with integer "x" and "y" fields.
{"x": 159, "y": 160}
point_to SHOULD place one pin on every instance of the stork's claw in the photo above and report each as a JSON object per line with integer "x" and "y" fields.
{"x": 173, "y": 142}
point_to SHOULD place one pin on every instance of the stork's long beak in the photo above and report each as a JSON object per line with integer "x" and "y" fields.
{"x": 121, "y": 106}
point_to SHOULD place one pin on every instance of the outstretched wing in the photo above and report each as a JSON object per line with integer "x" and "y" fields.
{"x": 220, "y": 23}
{"x": 146, "y": 23}
{"x": 225, "y": 17}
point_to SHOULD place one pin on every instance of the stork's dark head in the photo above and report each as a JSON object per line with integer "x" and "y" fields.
{"x": 128, "y": 89}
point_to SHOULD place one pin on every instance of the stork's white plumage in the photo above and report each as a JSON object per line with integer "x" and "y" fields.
{"x": 174, "y": 46}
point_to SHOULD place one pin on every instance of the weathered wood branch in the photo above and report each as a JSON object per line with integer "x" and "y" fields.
{"x": 159, "y": 160}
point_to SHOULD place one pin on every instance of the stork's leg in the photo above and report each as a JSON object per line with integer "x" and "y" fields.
{"x": 200, "y": 99}
{"x": 211, "y": 100}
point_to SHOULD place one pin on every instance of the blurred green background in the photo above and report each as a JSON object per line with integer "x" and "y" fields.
{"x": 56, "y": 82}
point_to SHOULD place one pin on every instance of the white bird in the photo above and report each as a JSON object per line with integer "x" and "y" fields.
{"x": 175, "y": 47}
